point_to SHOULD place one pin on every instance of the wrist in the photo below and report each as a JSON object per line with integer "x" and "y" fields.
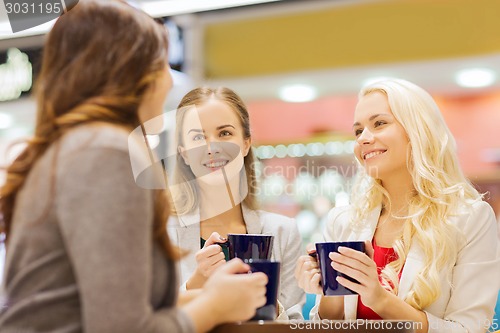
{"x": 382, "y": 302}
{"x": 189, "y": 284}
{"x": 213, "y": 317}
{"x": 202, "y": 312}
{"x": 331, "y": 307}
{"x": 196, "y": 281}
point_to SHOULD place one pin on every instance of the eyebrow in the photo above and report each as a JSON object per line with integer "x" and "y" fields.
{"x": 217, "y": 128}
{"x": 195, "y": 130}
{"x": 371, "y": 118}
{"x": 224, "y": 126}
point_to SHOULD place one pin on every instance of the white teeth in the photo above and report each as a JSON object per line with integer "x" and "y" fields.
{"x": 373, "y": 153}
{"x": 216, "y": 164}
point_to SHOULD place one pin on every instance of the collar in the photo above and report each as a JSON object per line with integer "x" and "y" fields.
{"x": 251, "y": 218}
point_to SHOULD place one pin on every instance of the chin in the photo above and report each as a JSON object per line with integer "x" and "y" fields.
{"x": 214, "y": 178}
{"x": 373, "y": 171}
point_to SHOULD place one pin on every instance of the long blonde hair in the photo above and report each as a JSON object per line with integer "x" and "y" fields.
{"x": 99, "y": 61}
{"x": 186, "y": 197}
{"x": 441, "y": 189}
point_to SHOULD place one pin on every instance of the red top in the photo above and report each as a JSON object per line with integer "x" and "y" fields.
{"x": 382, "y": 256}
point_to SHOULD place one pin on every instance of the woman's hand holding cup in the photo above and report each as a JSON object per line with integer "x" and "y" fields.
{"x": 208, "y": 259}
{"x": 307, "y": 272}
{"x": 240, "y": 294}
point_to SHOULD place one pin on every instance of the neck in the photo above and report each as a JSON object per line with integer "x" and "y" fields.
{"x": 218, "y": 199}
{"x": 400, "y": 190}
{"x": 228, "y": 220}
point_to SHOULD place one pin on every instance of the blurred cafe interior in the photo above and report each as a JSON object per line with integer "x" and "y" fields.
{"x": 298, "y": 64}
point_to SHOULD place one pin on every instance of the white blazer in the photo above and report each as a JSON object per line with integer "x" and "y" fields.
{"x": 469, "y": 289}
{"x": 287, "y": 247}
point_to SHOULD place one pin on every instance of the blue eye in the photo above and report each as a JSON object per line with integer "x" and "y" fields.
{"x": 198, "y": 137}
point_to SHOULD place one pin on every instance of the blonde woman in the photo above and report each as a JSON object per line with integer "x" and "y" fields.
{"x": 432, "y": 248}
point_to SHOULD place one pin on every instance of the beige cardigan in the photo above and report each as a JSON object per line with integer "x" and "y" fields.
{"x": 185, "y": 232}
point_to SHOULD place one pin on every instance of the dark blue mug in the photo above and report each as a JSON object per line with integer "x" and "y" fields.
{"x": 329, "y": 275}
{"x": 250, "y": 246}
{"x": 272, "y": 270}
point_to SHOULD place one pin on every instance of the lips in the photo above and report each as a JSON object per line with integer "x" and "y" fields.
{"x": 215, "y": 164}
{"x": 372, "y": 153}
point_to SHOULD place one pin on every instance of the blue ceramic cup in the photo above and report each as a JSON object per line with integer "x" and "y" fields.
{"x": 329, "y": 275}
{"x": 272, "y": 270}
{"x": 249, "y": 246}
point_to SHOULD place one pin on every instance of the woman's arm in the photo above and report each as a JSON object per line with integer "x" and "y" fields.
{"x": 331, "y": 307}
{"x": 392, "y": 307}
{"x": 224, "y": 300}
{"x": 361, "y": 267}
{"x": 187, "y": 296}
{"x": 474, "y": 278}
{"x": 208, "y": 259}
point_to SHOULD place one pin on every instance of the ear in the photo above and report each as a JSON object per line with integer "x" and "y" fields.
{"x": 182, "y": 151}
{"x": 247, "y": 144}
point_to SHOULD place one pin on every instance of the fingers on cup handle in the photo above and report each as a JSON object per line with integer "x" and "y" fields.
{"x": 310, "y": 248}
{"x": 215, "y": 238}
{"x": 316, "y": 279}
{"x": 299, "y": 267}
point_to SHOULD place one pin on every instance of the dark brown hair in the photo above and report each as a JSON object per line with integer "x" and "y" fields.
{"x": 98, "y": 61}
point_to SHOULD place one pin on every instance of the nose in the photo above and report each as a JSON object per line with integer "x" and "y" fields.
{"x": 213, "y": 147}
{"x": 366, "y": 137}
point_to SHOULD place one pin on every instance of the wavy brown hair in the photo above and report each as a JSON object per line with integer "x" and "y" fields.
{"x": 99, "y": 60}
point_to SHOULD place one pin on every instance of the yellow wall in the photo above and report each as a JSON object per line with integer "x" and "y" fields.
{"x": 353, "y": 35}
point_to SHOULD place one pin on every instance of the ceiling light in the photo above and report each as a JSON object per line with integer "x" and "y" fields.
{"x": 5, "y": 121}
{"x": 155, "y": 8}
{"x": 298, "y": 93}
{"x": 475, "y": 77}
{"x": 170, "y": 7}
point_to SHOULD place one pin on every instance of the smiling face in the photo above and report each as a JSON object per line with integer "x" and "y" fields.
{"x": 381, "y": 142}
{"x": 212, "y": 137}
